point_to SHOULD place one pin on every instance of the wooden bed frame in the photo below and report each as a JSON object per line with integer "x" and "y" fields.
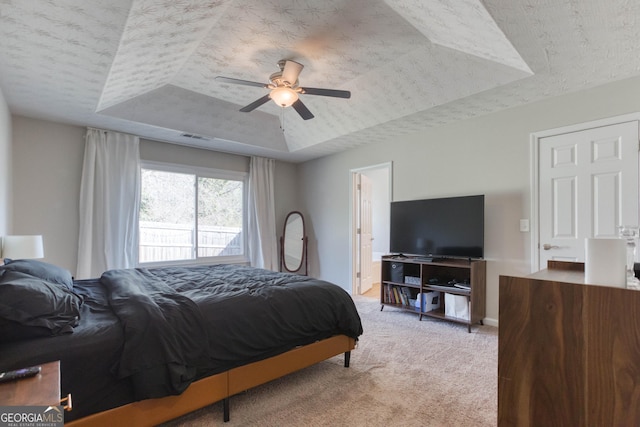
{"x": 219, "y": 387}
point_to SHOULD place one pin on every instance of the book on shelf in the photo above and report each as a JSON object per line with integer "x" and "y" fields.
{"x": 388, "y": 294}
{"x": 398, "y": 295}
{"x": 406, "y": 296}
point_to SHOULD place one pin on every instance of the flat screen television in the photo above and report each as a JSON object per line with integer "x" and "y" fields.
{"x": 451, "y": 227}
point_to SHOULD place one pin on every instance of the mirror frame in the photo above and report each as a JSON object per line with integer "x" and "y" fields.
{"x": 303, "y": 256}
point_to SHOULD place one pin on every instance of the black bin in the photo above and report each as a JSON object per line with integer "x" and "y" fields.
{"x": 396, "y": 273}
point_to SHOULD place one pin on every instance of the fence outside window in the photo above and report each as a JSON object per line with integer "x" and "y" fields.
{"x": 171, "y": 242}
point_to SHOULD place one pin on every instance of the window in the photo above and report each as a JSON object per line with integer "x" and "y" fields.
{"x": 190, "y": 214}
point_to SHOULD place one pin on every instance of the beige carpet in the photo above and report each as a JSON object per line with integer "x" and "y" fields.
{"x": 403, "y": 373}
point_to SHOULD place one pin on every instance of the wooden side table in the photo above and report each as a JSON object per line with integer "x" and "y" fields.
{"x": 42, "y": 389}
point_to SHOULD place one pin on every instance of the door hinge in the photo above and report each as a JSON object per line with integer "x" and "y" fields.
{"x": 357, "y": 275}
{"x": 359, "y": 187}
{"x": 358, "y": 231}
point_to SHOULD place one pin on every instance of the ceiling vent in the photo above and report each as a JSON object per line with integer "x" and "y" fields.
{"x": 194, "y": 136}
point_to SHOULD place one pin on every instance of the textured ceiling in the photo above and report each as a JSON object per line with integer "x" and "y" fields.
{"x": 148, "y": 67}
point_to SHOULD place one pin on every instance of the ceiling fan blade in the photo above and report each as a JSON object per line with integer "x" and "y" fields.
{"x": 291, "y": 71}
{"x": 255, "y": 104}
{"x": 326, "y": 92}
{"x": 302, "y": 110}
{"x": 239, "y": 82}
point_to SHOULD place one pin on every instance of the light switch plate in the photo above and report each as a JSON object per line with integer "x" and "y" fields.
{"x": 524, "y": 225}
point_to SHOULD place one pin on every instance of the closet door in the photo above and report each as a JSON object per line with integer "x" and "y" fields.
{"x": 588, "y": 187}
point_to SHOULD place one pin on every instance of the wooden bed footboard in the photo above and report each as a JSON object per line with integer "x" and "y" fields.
{"x": 219, "y": 387}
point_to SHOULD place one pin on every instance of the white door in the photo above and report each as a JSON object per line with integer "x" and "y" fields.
{"x": 588, "y": 187}
{"x": 365, "y": 230}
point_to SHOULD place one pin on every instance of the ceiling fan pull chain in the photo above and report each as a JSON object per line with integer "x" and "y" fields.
{"x": 282, "y": 118}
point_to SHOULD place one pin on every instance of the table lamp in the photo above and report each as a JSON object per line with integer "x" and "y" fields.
{"x": 22, "y": 247}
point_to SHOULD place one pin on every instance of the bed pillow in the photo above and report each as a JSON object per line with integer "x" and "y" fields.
{"x": 45, "y": 271}
{"x": 35, "y": 307}
{"x": 12, "y": 331}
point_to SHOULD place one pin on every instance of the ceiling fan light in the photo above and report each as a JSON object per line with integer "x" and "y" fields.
{"x": 284, "y": 96}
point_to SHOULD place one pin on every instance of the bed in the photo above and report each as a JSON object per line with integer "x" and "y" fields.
{"x": 148, "y": 345}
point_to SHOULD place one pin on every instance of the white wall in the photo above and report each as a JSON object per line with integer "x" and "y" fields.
{"x": 47, "y": 168}
{"x": 286, "y": 193}
{"x": 47, "y": 165}
{"x": 5, "y": 168}
{"x": 486, "y": 155}
{"x": 171, "y": 153}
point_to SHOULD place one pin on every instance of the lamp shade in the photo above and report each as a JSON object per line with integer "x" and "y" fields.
{"x": 284, "y": 96}
{"x": 22, "y": 247}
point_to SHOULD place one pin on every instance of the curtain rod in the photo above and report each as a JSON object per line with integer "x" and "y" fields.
{"x": 99, "y": 130}
{"x": 112, "y": 131}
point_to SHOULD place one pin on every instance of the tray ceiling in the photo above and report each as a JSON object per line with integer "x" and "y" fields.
{"x": 148, "y": 66}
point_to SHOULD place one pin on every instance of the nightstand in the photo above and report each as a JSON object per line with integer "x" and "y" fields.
{"x": 40, "y": 390}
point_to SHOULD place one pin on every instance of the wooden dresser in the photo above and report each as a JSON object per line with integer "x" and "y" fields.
{"x": 568, "y": 353}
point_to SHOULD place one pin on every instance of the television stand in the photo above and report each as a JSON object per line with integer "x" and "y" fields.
{"x": 432, "y": 259}
{"x": 434, "y": 280}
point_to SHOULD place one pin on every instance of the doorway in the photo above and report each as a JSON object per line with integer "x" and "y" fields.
{"x": 370, "y": 199}
{"x": 584, "y": 184}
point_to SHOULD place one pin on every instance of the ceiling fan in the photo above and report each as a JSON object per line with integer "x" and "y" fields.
{"x": 285, "y": 89}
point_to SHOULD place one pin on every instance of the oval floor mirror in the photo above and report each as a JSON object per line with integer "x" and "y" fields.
{"x": 293, "y": 244}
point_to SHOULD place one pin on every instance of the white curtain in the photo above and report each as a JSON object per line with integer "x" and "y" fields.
{"x": 263, "y": 245}
{"x": 109, "y": 202}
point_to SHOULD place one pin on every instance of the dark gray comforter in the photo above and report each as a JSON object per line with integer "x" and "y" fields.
{"x": 182, "y": 323}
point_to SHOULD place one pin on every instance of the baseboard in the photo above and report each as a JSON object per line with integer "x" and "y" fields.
{"x": 489, "y": 321}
